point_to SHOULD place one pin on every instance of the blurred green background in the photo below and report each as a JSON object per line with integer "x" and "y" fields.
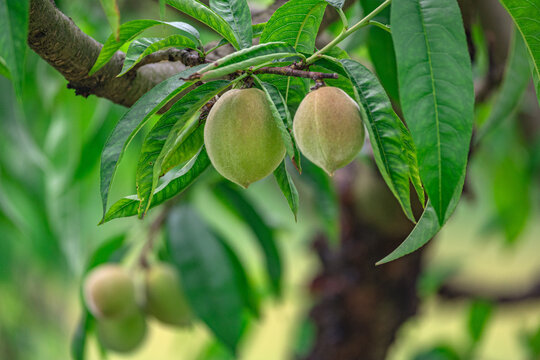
{"x": 50, "y": 145}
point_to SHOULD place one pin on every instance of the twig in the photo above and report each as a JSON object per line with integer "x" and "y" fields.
{"x": 185, "y": 56}
{"x": 289, "y": 71}
{"x": 452, "y": 292}
{"x": 152, "y": 232}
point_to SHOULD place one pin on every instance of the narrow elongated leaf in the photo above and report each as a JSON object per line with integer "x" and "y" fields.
{"x": 526, "y": 15}
{"x": 208, "y": 277}
{"x": 282, "y": 118}
{"x": 287, "y": 188}
{"x": 257, "y": 29}
{"x": 202, "y": 13}
{"x": 184, "y": 151}
{"x": 479, "y": 314}
{"x": 130, "y": 30}
{"x": 426, "y": 228}
{"x": 381, "y": 49}
{"x": 385, "y": 132}
{"x": 78, "y": 342}
{"x": 131, "y": 123}
{"x": 414, "y": 173}
{"x": 176, "y": 184}
{"x": 436, "y": 91}
{"x": 237, "y": 14}
{"x": 142, "y": 47}
{"x": 13, "y": 34}
{"x": 296, "y": 23}
{"x": 153, "y": 151}
{"x": 162, "y": 9}
{"x": 516, "y": 79}
{"x": 264, "y": 234}
{"x": 113, "y": 16}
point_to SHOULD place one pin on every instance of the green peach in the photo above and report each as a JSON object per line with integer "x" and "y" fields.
{"x": 328, "y": 128}
{"x": 241, "y": 137}
{"x": 109, "y": 292}
{"x": 122, "y": 335}
{"x": 164, "y": 297}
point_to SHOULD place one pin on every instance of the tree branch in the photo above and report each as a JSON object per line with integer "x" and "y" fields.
{"x": 289, "y": 71}
{"x": 56, "y": 39}
{"x": 451, "y": 292}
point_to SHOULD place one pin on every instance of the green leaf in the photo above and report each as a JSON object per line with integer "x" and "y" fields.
{"x": 162, "y": 9}
{"x": 282, "y": 118}
{"x": 243, "y": 59}
{"x": 4, "y": 71}
{"x": 184, "y": 151}
{"x": 426, "y": 228}
{"x": 237, "y": 14}
{"x": 258, "y": 29}
{"x": 414, "y": 172}
{"x": 297, "y": 23}
{"x": 526, "y": 14}
{"x": 287, "y": 188}
{"x": 381, "y": 49}
{"x": 131, "y": 123}
{"x": 129, "y": 31}
{"x": 479, "y": 315}
{"x": 336, "y": 3}
{"x": 208, "y": 277}
{"x": 205, "y": 15}
{"x": 78, "y": 342}
{"x": 113, "y": 16}
{"x": 516, "y": 79}
{"x": 436, "y": 90}
{"x": 293, "y": 89}
{"x": 142, "y": 47}
{"x": 385, "y": 132}
{"x": 13, "y": 35}
{"x": 184, "y": 117}
{"x": 172, "y": 186}
{"x": 111, "y": 250}
{"x": 264, "y": 234}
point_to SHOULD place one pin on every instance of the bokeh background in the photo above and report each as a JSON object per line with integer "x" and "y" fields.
{"x": 50, "y": 143}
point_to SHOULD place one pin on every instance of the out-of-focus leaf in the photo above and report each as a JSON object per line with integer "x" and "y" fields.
{"x": 385, "y": 132}
{"x": 132, "y": 121}
{"x": 181, "y": 180}
{"x": 4, "y": 71}
{"x": 381, "y": 49}
{"x": 479, "y": 315}
{"x": 142, "y": 47}
{"x": 237, "y": 14}
{"x": 440, "y": 352}
{"x": 532, "y": 343}
{"x": 515, "y": 82}
{"x": 243, "y": 59}
{"x": 110, "y": 251}
{"x": 208, "y": 277}
{"x": 436, "y": 90}
{"x": 526, "y": 14}
{"x": 215, "y": 351}
{"x": 296, "y": 23}
{"x": 202, "y": 13}
{"x": 130, "y": 30}
{"x": 78, "y": 342}
{"x": 13, "y": 34}
{"x": 283, "y": 120}
{"x": 264, "y": 234}
{"x": 162, "y": 9}
{"x": 113, "y": 16}
{"x": 182, "y": 116}
{"x": 287, "y": 188}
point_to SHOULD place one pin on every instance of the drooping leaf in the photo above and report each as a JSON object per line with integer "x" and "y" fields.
{"x": 142, "y": 47}
{"x": 264, "y": 234}
{"x": 436, "y": 90}
{"x": 385, "y": 132}
{"x": 113, "y": 16}
{"x": 79, "y": 340}
{"x": 110, "y": 251}
{"x": 414, "y": 173}
{"x": 516, "y": 79}
{"x": 154, "y": 149}
{"x": 381, "y": 49}
{"x": 287, "y": 188}
{"x": 237, "y": 14}
{"x": 132, "y": 122}
{"x": 258, "y": 29}
{"x": 130, "y": 30}
{"x": 13, "y": 35}
{"x": 296, "y": 23}
{"x": 208, "y": 276}
{"x": 243, "y": 59}
{"x": 202, "y": 13}
{"x": 184, "y": 151}
{"x": 479, "y": 314}
{"x": 282, "y": 118}
{"x": 177, "y": 183}
{"x": 526, "y": 14}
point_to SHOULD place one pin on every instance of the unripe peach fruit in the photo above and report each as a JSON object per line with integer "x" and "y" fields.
{"x": 109, "y": 292}
{"x": 164, "y": 297}
{"x": 242, "y": 138}
{"x": 328, "y": 128}
{"x": 124, "y": 334}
